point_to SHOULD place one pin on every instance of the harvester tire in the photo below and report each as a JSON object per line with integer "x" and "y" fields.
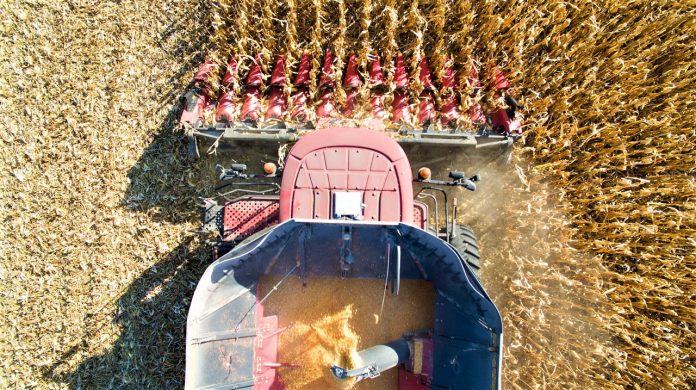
{"x": 464, "y": 241}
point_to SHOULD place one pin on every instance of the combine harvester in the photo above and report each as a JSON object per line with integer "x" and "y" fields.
{"x": 345, "y": 207}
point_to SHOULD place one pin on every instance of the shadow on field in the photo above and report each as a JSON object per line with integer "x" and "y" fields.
{"x": 164, "y": 183}
{"x": 164, "y": 186}
{"x": 150, "y": 352}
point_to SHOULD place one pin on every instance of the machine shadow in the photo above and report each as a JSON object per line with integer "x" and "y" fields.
{"x": 150, "y": 352}
{"x": 163, "y": 185}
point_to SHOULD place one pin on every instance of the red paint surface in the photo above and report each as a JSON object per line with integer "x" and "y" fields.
{"x": 420, "y": 214}
{"x": 449, "y": 110}
{"x": 351, "y": 82}
{"x": 376, "y": 74}
{"x": 377, "y": 104}
{"x": 499, "y": 80}
{"x": 449, "y": 106}
{"x": 192, "y": 116}
{"x": 230, "y": 77}
{"x": 327, "y": 72}
{"x": 400, "y": 75}
{"x": 342, "y": 159}
{"x": 501, "y": 119}
{"x": 205, "y": 71}
{"x": 377, "y": 93}
{"x": 226, "y": 108}
{"x": 327, "y": 102}
{"x": 351, "y": 79}
{"x": 446, "y": 107}
{"x": 302, "y": 76}
{"x": 242, "y": 218}
{"x": 449, "y": 79}
{"x": 278, "y": 75}
{"x": 411, "y": 381}
{"x": 299, "y": 100}
{"x": 352, "y": 96}
{"x": 400, "y": 108}
{"x": 476, "y": 115}
{"x": 426, "y": 100}
{"x": 255, "y": 78}
{"x": 426, "y": 107}
{"x": 203, "y": 95}
{"x": 252, "y": 104}
{"x": 425, "y": 76}
{"x": 276, "y": 104}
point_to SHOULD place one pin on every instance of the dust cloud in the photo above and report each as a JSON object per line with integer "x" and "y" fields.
{"x": 550, "y": 295}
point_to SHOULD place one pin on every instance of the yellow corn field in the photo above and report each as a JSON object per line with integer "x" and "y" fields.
{"x": 591, "y": 256}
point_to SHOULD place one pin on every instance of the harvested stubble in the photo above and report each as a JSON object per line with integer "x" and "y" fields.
{"x": 330, "y": 319}
{"x": 98, "y": 262}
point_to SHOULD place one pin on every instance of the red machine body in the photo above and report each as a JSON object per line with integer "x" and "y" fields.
{"x": 321, "y": 164}
{"x": 449, "y": 94}
{"x": 227, "y": 106}
{"x": 358, "y": 160}
{"x": 505, "y": 119}
{"x": 401, "y": 111}
{"x": 377, "y": 87}
{"x": 199, "y": 98}
{"x": 300, "y": 96}
{"x": 276, "y": 100}
{"x": 327, "y": 104}
{"x": 252, "y": 95}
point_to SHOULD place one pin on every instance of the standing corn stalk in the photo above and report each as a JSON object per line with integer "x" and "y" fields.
{"x": 364, "y": 36}
{"x": 339, "y": 45}
{"x": 415, "y": 26}
{"x": 389, "y": 17}
{"x": 291, "y": 48}
{"x": 436, "y": 33}
{"x": 316, "y": 44}
{"x": 267, "y": 35}
{"x": 470, "y": 95}
{"x": 239, "y": 40}
{"x": 487, "y": 52}
{"x": 365, "y": 50}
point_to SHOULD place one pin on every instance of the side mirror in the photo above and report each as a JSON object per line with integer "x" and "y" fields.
{"x": 456, "y": 175}
{"x": 235, "y": 171}
{"x": 468, "y": 184}
{"x": 238, "y": 167}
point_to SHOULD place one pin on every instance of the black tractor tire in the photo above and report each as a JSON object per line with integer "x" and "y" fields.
{"x": 464, "y": 241}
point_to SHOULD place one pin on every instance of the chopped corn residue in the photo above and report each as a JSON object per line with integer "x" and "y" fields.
{"x": 331, "y": 319}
